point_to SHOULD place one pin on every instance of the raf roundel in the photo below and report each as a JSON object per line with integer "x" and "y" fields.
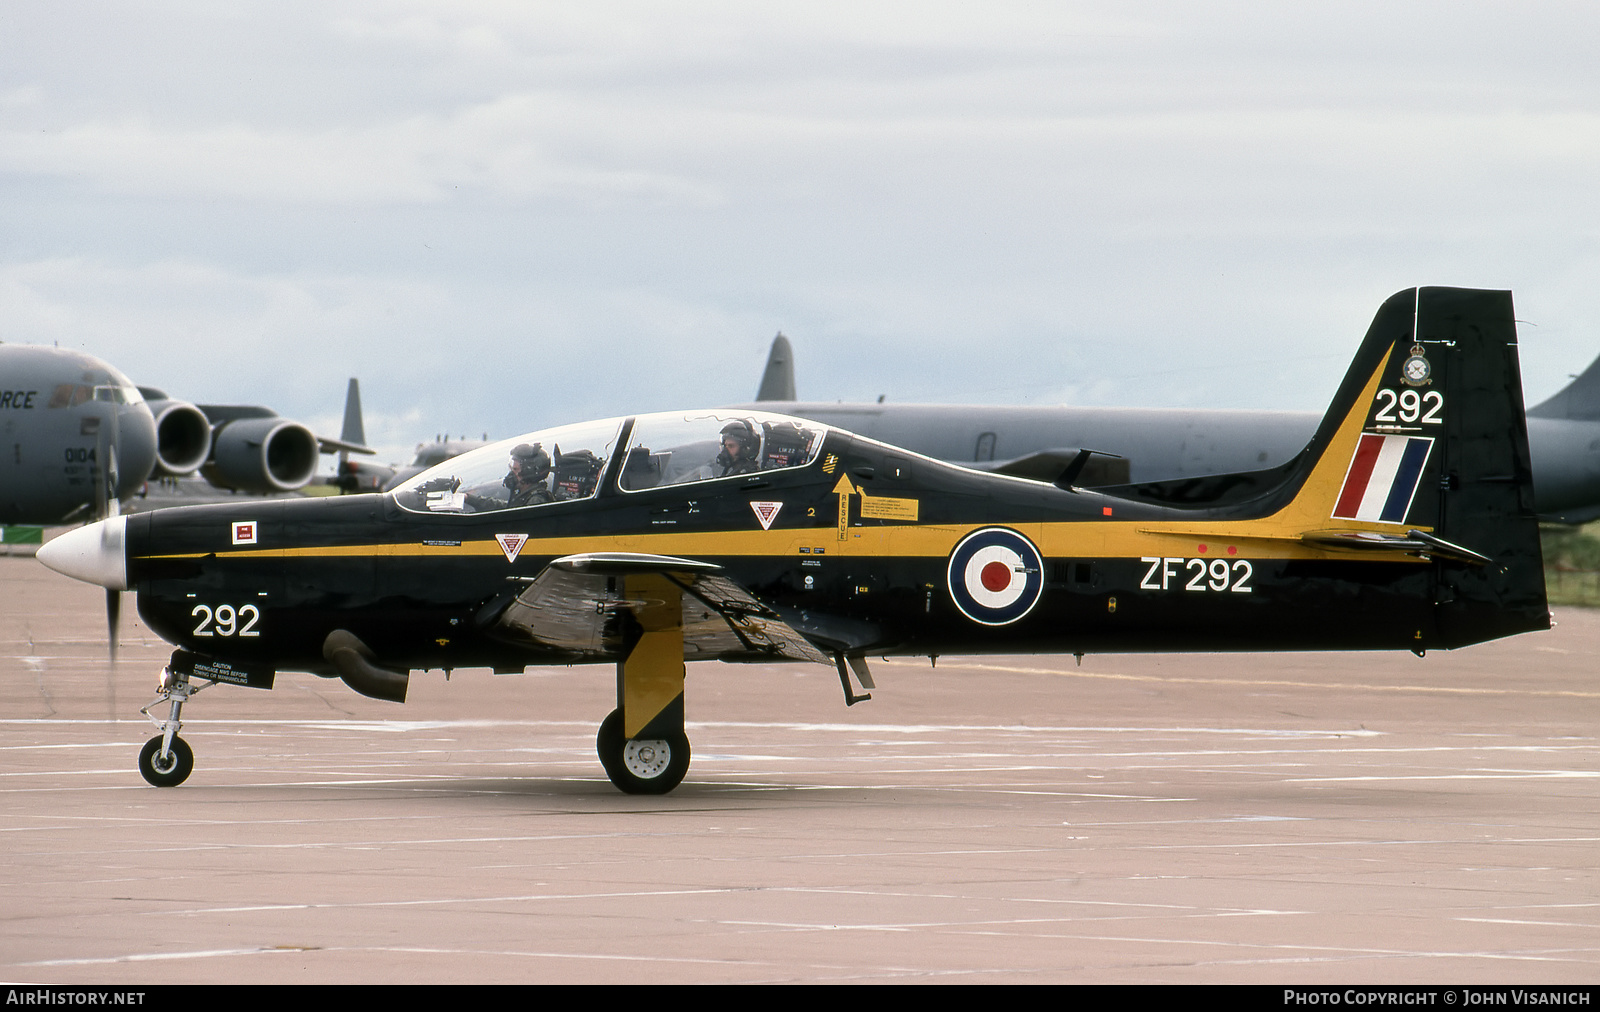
{"x": 995, "y": 576}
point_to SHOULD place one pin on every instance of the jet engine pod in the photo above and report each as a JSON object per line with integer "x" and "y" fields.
{"x": 183, "y": 436}
{"x": 262, "y": 455}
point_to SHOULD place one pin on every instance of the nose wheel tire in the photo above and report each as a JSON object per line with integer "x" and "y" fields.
{"x": 641, "y": 765}
{"x": 169, "y": 770}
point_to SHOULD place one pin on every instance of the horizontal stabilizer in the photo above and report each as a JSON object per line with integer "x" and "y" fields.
{"x": 1042, "y": 465}
{"x": 1414, "y": 542}
{"x": 1061, "y": 466}
{"x": 326, "y": 444}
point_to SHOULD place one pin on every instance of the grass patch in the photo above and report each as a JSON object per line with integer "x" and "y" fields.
{"x": 1572, "y": 563}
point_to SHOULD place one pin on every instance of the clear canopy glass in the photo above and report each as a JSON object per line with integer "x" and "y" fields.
{"x": 676, "y": 448}
{"x": 551, "y": 465}
{"x": 567, "y": 463}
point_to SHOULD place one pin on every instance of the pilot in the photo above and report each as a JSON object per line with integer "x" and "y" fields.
{"x": 739, "y": 447}
{"x": 527, "y": 479}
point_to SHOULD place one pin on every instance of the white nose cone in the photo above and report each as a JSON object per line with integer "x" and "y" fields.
{"x": 92, "y": 554}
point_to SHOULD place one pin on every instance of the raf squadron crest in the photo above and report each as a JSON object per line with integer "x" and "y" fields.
{"x": 1416, "y": 371}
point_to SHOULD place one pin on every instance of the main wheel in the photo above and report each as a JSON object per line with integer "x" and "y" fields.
{"x": 641, "y": 765}
{"x": 170, "y": 771}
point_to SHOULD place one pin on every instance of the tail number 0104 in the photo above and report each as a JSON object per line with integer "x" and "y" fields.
{"x": 1202, "y": 574}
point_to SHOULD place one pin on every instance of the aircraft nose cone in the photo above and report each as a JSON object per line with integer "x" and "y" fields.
{"x": 92, "y": 554}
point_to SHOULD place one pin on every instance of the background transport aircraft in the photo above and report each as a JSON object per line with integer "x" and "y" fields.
{"x": 77, "y": 435}
{"x": 429, "y": 454}
{"x": 1159, "y": 444}
{"x": 647, "y": 541}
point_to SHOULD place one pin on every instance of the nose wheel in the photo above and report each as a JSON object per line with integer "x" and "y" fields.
{"x": 641, "y": 765}
{"x": 167, "y": 760}
{"x": 166, "y": 767}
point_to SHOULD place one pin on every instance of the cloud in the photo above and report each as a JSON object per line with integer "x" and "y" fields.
{"x": 507, "y": 148}
{"x": 617, "y": 206}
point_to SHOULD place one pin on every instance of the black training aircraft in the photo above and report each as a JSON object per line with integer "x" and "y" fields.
{"x": 1406, "y": 523}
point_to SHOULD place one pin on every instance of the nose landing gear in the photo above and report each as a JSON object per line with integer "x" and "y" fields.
{"x": 167, "y": 760}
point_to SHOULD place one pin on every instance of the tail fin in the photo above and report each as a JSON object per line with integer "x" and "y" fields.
{"x": 1578, "y": 401}
{"x": 354, "y": 430}
{"x": 1427, "y": 442}
{"x": 1424, "y": 450}
{"x": 777, "y": 381}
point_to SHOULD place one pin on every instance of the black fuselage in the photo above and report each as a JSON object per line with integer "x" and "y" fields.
{"x": 426, "y": 591}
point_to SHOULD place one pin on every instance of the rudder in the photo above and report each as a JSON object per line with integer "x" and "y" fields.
{"x": 1483, "y": 496}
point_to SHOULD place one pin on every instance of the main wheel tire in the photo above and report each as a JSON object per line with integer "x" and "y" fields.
{"x": 171, "y": 771}
{"x": 641, "y": 765}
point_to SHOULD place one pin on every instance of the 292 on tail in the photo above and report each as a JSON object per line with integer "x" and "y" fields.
{"x": 648, "y": 541}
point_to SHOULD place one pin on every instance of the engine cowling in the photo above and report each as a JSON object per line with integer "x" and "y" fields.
{"x": 183, "y": 436}
{"x": 262, "y": 455}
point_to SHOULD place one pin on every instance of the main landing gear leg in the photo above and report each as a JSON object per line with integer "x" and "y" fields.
{"x": 642, "y": 744}
{"x": 166, "y": 760}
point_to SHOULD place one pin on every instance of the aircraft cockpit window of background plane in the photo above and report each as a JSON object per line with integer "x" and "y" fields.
{"x": 481, "y": 481}
{"x": 68, "y": 395}
{"x": 672, "y": 449}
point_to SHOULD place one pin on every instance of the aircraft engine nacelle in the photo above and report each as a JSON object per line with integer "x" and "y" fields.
{"x": 262, "y": 455}
{"x": 183, "y": 436}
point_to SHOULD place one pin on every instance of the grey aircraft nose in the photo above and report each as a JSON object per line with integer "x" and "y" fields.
{"x": 93, "y": 554}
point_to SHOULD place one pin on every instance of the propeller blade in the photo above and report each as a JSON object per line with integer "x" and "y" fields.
{"x": 107, "y": 505}
{"x": 113, "y": 618}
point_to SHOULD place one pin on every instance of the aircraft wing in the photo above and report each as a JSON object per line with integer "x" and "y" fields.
{"x": 577, "y": 602}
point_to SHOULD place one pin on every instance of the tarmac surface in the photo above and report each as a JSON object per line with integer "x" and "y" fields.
{"x": 1280, "y": 818}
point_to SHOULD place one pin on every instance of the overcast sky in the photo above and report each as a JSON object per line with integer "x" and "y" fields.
{"x": 507, "y": 215}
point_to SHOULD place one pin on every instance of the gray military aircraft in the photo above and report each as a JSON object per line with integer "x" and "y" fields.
{"x": 1141, "y": 445}
{"x": 440, "y": 450}
{"x": 77, "y": 437}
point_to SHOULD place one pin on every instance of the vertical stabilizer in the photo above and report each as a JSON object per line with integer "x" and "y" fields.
{"x": 354, "y": 431}
{"x": 1428, "y": 441}
{"x": 1578, "y": 401}
{"x": 777, "y": 382}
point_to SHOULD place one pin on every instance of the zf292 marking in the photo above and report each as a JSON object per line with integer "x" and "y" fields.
{"x": 1203, "y": 574}
{"x": 225, "y": 619}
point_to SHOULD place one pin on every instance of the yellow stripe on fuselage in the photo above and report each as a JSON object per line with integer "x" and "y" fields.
{"x": 1272, "y": 537}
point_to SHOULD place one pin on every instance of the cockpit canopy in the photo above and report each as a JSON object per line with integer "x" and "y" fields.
{"x": 675, "y": 448}
{"x": 571, "y": 462}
